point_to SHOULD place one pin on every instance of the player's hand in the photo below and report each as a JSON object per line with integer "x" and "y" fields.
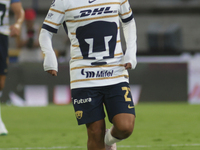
{"x": 14, "y": 30}
{"x": 128, "y": 66}
{"x": 52, "y": 72}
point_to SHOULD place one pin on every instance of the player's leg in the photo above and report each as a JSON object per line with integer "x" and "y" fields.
{"x": 89, "y": 110}
{"x": 3, "y": 71}
{"x": 2, "y": 82}
{"x": 3, "y": 60}
{"x": 96, "y": 133}
{"x": 121, "y": 112}
{"x": 123, "y": 125}
{"x": 122, "y": 128}
{"x": 3, "y": 130}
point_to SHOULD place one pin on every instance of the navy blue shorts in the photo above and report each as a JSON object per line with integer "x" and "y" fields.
{"x": 89, "y": 102}
{"x": 3, "y": 54}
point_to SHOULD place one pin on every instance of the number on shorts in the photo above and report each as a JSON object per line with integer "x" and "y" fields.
{"x": 126, "y": 94}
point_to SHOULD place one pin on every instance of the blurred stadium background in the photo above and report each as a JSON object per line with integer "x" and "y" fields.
{"x": 168, "y": 39}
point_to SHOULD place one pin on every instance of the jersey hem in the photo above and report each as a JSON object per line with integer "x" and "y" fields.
{"x": 100, "y": 84}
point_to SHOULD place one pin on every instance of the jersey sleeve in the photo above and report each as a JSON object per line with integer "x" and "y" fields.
{"x": 14, "y": 1}
{"x": 125, "y": 11}
{"x": 55, "y": 16}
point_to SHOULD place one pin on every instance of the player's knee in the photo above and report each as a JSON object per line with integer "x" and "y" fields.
{"x": 125, "y": 130}
{"x": 124, "y": 125}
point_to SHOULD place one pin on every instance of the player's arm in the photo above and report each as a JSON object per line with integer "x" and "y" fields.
{"x": 129, "y": 30}
{"x": 50, "y": 60}
{"x": 51, "y": 24}
{"x": 18, "y": 11}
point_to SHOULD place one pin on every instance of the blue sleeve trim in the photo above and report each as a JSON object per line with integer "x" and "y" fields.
{"x": 127, "y": 19}
{"x": 50, "y": 29}
{"x": 13, "y": 1}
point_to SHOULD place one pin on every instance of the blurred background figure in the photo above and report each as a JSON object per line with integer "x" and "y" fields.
{"x": 5, "y": 31}
{"x": 28, "y": 40}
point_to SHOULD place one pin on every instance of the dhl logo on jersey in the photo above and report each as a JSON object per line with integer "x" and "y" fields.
{"x": 95, "y": 11}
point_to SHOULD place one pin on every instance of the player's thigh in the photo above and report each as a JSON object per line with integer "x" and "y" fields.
{"x": 88, "y": 105}
{"x": 119, "y": 101}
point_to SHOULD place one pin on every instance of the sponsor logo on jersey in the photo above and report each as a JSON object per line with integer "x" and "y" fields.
{"x": 79, "y": 114}
{"x": 82, "y": 101}
{"x": 91, "y": 1}
{"x": 53, "y": 3}
{"x": 49, "y": 15}
{"x": 95, "y": 11}
{"x": 97, "y": 74}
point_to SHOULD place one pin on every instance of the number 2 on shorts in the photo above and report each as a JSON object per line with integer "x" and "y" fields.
{"x": 126, "y": 94}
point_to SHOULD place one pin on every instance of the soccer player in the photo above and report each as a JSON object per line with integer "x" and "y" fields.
{"x": 98, "y": 66}
{"x": 28, "y": 41}
{"x": 5, "y": 31}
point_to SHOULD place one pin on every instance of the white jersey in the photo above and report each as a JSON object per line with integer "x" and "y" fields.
{"x": 4, "y": 17}
{"x": 94, "y": 31}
